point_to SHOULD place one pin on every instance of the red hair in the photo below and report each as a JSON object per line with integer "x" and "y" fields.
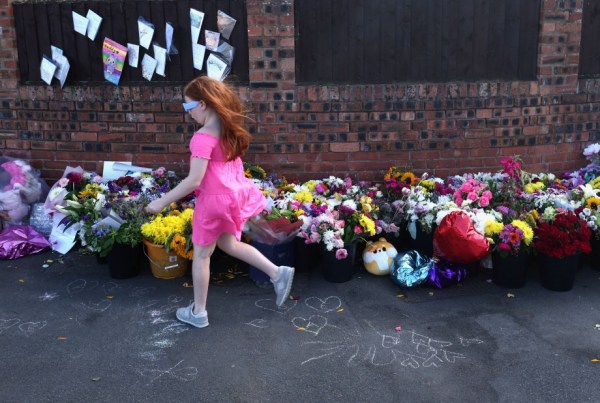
{"x": 235, "y": 139}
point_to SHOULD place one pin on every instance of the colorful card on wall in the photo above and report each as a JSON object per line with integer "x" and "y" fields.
{"x": 113, "y": 57}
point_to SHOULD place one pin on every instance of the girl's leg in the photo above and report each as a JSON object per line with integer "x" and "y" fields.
{"x": 201, "y": 275}
{"x": 248, "y": 253}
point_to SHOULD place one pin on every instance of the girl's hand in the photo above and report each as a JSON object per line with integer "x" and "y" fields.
{"x": 154, "y": 207}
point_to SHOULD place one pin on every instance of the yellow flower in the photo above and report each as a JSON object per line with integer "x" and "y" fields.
{"x": 527, "y": 231}
{"x": 428, "y": 184}
{"x": 533, "y": 187}
{"x": 493, "y": 228}
{"x": 593, "y": 203}
{"x": 409, "y": 178}
{"x": 90, "y": 190}
{"x": 303, "y": 196}
{"x": 367, "y": 224}
{"x": 595, "y": 183}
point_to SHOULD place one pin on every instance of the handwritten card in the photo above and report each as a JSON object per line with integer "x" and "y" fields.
{"x": 148, "y": 67}
{"x": 47, "y": 69}
{"x": 94, "y": 24}
{"x": 133, "y": 54}
{"x": 80, "y": 23}
{"x": 145, "y": 31}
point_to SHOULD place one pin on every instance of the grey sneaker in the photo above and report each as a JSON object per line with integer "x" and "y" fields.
{"x": 283, "y": 284}
{"x": 185, "y": 315}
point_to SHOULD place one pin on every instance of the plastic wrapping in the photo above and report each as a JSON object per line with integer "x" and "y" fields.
{"x": 456, "y": 240}
{"x": 273, "y": 232}
{"x": 21, "y": 240}
{"x": 410, "y": 269}
{"x": 443, "y": 273}
{"x": 20, "y": 187}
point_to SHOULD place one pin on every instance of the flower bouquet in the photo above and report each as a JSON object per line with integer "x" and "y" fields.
{"x": 561, "y": 233}
{"x": 168, "y": 243}
{"x": 560, "y": 239}
{"x": 509, "y": 239}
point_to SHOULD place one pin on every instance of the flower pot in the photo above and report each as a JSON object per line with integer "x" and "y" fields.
{"x": 124, "y": 261}
{"x": 423, "y": 243}
{"x": 595, "y": 254}
{"x": 558, "y": 274}
{"x": 281, "y": 255}
{"x": 338, "y": 270}
{"x": 306, "y": 256}
{"x": 510, "y": 271}
{"x": 165, "y": 265}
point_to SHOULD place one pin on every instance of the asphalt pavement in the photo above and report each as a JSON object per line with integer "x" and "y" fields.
{"x": 71, "y": 333}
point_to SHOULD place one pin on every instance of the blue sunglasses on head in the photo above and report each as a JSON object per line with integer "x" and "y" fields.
{"x": 188, "y": 106}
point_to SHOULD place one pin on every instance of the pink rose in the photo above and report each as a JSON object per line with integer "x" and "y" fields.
{"x": 487, "y": 194}
{"x": 484, "y": 201}
{"x": 472, "y": 196}
{"x": 466, "y": 187}
{"x": 341, "y": 254}
{"x": 504, "y": 246}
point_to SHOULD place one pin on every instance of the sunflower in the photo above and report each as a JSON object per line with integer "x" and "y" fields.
{"x": 593, "y": 203}
{"x": 409, "y": 178}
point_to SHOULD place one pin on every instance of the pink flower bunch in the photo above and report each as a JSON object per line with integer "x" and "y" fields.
{"x": 471, "y": 192}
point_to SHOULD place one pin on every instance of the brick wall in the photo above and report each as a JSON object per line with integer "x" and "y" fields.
{"x": 315, "y": 131}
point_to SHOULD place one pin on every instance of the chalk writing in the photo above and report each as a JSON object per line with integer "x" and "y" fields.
{"x": 25, "y": 328}
{"x": 313, "y": 324}
{"x": 48, "y": 296}
{"x": 410, "y": 349}
{"x": 328, "y": 304}
{"x": 185, "y": 374}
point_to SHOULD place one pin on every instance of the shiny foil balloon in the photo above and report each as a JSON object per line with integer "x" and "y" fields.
{"x": 410, "y": 269}
{"x": 456, "y": 239}
{"x": 443, "y": 273}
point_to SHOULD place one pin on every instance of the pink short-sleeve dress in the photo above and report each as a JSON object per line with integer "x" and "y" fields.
{"x": 225, "y": 199}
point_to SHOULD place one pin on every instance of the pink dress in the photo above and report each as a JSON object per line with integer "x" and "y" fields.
{"x": 225, "y": 199}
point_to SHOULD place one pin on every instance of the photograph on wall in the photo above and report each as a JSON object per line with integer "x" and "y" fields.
{"x": 113, "y": 58}
{"x": 217, "y": 67}
{"x": 225, "y": 23}
{"x": 196, "y": 19}
{"x": 211, "y": 39}
{"x": 226, "y": 50}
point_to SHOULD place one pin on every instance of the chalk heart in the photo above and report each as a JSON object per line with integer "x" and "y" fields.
{"x": 410, "y": 362}
{"x": 314, "y": 324}
{"x": 8, "y": 323}
{"x": 328, "y": 304}
{"x": 31, "y": 327}
{"x": 269, "y": 305}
